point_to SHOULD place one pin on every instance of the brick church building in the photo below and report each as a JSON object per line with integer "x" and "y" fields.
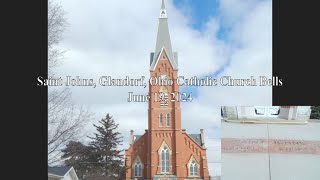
{"x": 165, "y": 151}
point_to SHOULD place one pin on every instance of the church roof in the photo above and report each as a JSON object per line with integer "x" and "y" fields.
{"x": 58, "y": 170}
{"x": 163, "y": 41}
{"x": 196, "y": 138}
{"x": 136, "y": 138}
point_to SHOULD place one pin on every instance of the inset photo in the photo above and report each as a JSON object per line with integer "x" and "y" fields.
{"x": 270, "y": 142}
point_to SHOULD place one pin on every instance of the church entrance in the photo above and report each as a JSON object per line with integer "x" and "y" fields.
{"x": 267, "y": 111}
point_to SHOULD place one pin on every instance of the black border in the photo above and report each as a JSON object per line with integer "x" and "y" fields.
{"x": 43, "y": 99}
{"x": 38, "y": 131}
{"x": 296, "y": 52}
{"x": 25, "y": 123}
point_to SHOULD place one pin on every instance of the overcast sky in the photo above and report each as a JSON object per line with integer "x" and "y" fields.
{"x": 212, "y": 37}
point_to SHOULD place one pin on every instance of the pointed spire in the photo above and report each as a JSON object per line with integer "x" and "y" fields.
{"x": 163, "y": 5}
{"x": 163, "y": 41}
{"x": 163, "y": 11}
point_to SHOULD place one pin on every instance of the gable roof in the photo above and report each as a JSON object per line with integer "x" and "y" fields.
{"x": 136, "y": 138}
{"x": 58, "y": 170}
{"x": 196, "y": 138}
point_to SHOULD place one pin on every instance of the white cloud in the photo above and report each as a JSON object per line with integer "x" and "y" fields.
{"x": 116, "y": 37}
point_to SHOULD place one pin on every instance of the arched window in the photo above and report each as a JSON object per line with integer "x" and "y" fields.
{"x": 161, "y": 120}
{"x": 193, "y": 168}
{"x": 138, "y": 169}
{"x": 168, "y": 120}
{"x": 165, "y": 160}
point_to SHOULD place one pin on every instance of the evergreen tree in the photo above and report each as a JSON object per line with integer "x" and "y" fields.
{"x": 101, "y": 159}
{"x": 109, "y": 161}
{"x": 80, "y": 157}
{"x": 315, "y": 112}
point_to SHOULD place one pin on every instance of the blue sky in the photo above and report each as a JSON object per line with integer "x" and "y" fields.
{"x": 200, "y": 12}
{"x": 96, "y": 34}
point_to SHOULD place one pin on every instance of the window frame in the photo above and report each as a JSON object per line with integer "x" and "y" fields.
{"x": 193, "y": 168}
{"x": 160, "y": 120}
{"x": 137, "y": 172}
{"x": 165, "y": 160}
{"x": 168, "y": 119}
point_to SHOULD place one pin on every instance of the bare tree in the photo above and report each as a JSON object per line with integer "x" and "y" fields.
{"x": 65, "y": 120}
{"x": 56, "y": 25}
{"x": 66, "y": 125}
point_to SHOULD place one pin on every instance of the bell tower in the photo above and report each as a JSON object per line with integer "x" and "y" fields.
{"x": 164, "y": 105}
{"x": 165, "y": 151}
{"x": 164, "y": 113}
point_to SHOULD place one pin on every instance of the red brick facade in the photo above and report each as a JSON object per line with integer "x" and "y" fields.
{"x": 150, "y": 149}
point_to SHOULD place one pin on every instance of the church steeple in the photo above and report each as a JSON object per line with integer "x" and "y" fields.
{"x": 162, "y": 5}
{"x": 163, "y": 41}
{"x": 163, "y": 12}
